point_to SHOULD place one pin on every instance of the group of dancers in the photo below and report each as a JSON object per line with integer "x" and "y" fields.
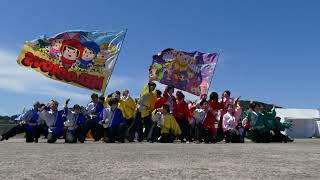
{"x": 154, "y": 117}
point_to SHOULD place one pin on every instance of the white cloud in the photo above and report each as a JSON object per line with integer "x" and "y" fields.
{"x": 15, "y": 78}
{"x": 118, "y": 81}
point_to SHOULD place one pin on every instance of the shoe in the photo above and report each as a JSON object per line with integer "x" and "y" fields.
{"x": 4, "y": 138}
{"x": 197, "y": 142}
{"x": 289, "y": 139}
{"x": 36, "y": 140}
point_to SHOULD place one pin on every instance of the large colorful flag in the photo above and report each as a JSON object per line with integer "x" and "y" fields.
{"x": 84, "y": 59}
{"x": 187, "y": 71}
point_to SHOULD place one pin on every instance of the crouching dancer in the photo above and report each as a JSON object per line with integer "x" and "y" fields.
{"x": 94, "y": 111}
{"x": 199, "y": 115}
{"x": 229, "y": 125}
{"x": 74, "y": 125}
{"x": 146, "y": 105}
{"x": 115, "y": 127}
{"x": 169, "y": 128}
{"x": 155, "y": 131}
{"x": 27, "y": 125}
{"x": 54, "y": 120}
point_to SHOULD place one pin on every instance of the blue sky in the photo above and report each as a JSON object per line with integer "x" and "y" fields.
{"x": 269, "y": 48}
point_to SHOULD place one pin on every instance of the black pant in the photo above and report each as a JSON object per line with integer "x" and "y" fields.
{"x": 52, "y": 137}
{"x": 14, "y": 131}
{"x": 279, "y": 137}
{"x": 128, "y": 123}
{"x": 154, "y": 133}
{"x": 220, "y": 134}
{"x": 245, "y": 132}
{"x": 147, "y": 124}
{"x": 31, "y": 134}
{"x": 167, "y": 138}
{"x": 96, "y": 129}
{"x": 115, "y": 133}
{"x": 185, "y": 129}
{"x": 232, "y": 136}
{"x": 70, "y": 136}
{"x": 260, "y": 137}
{"x": 42, "y": 129}
{"x": 137, "y": 126}
{"x": 197, "y": 131}
{"x": 207, "y": 136}
{"x": 80, "y": 133}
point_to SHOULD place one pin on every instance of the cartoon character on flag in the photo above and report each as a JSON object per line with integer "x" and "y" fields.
{"x": 187, "y": 71}
{"x": 81, "y": 58}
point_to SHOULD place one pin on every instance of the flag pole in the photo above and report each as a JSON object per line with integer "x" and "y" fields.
{"x": 218, "y": 56}
{"x": 124, "y": 37}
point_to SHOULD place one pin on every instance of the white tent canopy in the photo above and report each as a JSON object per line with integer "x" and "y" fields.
{"x": 305, "y": 122}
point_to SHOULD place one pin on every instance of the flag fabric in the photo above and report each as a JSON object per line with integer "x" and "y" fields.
{"x": 187, "y": 71}
{"x": 81, "y": 58}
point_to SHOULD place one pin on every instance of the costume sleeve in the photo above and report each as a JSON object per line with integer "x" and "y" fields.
{"x": 175, "y": 127}
{"x": 121, "y": 119}
{"x": 70, "y": 118}
{"x": 160, "y": 102}
{"x": 106, "y": 101}
{"x": 271, "y": 114}
{"x": 44, "y": 115}
{"x": 144, "y": 91}
{"x": 154, "y": 116}
{"x": 105, "y": 115}
{"x": 165, "y": 125}
{"x": 131, "y": 104}
{"x": 27, "y": 116}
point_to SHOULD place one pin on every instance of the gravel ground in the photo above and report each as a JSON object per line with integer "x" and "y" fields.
{"x": 97, "y": 160}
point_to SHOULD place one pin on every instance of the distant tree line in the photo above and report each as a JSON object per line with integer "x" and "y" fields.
{"x": 7, "y": 119}
{"x": 246, "y": 104}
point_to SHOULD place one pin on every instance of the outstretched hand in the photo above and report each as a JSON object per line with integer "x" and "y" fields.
{"x": 67, "y": 101}
{"x": 238, "y": 99}
{"x": 44, "y": 108}
{"x": 272, "y": 133}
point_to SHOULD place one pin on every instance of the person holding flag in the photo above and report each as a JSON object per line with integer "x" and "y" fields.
{"x": 167, "y": 98}
{"x": 146, "y": 105}
{"x": 181, "y": 115}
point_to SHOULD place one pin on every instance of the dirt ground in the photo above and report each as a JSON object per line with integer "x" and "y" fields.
{"x": 97, "y": 160}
